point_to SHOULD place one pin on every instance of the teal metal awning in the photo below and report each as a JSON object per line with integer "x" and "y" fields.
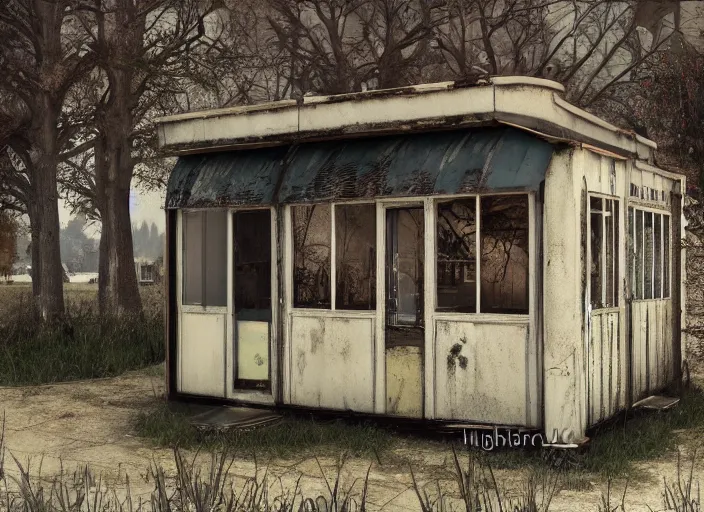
{"x": 424, "y": 164}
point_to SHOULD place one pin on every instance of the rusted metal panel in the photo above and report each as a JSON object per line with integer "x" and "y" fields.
{"x": 470, "y": 358}
{"x": 408, "y": 165}
{"x": 404, "y": 381}
{"x": 202, "y": 354}
{"x": 332, "y": 364}
{"x": 233, "y": 178}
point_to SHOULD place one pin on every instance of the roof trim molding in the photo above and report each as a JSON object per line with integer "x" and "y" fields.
{"x": 532, "y": 104}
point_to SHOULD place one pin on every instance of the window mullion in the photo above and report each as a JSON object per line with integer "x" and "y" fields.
{"x": 602, "y": 256}
{"x": 333, "y": 259}
{"x": 478, "y": 257}
{"x": 662, "y": 256}
{"x": 203, "y": 245}
{"x": 652, "y": 256}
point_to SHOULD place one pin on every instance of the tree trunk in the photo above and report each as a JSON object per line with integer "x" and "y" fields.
{"x": 46, "y": 209}
{"x": 118, "y": 291}
{"x": 123, "y": 34}
{"x": 35, "y": 275}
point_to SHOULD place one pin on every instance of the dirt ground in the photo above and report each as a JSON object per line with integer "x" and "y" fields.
{"x": 92, "y": 423}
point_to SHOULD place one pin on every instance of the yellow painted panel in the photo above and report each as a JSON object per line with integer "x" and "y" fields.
{"x": 404, "y": 384}
{"x": 252, "y": 350}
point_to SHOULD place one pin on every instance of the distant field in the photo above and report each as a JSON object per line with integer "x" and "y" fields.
{"x": 81, "y": 295}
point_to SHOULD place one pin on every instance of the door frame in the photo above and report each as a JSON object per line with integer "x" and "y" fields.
{"x": 252, "y": 395}
{"x": 428, "y": 378}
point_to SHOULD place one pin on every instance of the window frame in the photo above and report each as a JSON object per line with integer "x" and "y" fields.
{"x": 616, "y": 235}
{"x": 478, "y": 250}
{"x": 389, "y": 202}
{"x": 333, "y": 255}
{"x": 665, "y": 266}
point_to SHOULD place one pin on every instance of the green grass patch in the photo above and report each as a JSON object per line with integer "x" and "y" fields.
{"x": 84, "y": 346}
{"x": 292, "y": 435}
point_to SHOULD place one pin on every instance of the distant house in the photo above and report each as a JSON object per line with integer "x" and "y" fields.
{"x": 146, "y": 271}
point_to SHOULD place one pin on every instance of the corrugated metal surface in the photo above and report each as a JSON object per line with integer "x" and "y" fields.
{"x": 423, "y": 164}
{"x": 233, "y": 178}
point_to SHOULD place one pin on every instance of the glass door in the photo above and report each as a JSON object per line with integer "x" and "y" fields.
{"x": 404, "y": 330}
{"x": 252, "y": 299}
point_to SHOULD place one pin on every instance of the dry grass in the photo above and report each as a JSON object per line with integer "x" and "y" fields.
{"x": 84, "y": 346}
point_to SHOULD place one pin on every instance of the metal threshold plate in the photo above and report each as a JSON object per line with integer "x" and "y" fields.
{"x": 223, "y": 418}
{"x": 657, "y": 402}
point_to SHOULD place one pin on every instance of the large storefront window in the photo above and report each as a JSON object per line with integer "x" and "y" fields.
{"x": 503, "y": 269}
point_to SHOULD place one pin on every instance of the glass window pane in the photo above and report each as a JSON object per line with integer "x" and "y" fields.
{"x": 597, "y": 263}
{"x": 640, "y": 259}
{"x": 216, "y": 258}
{"x": 657, "y": 262}
{"x": 610, "y": 263}
{"x": 666, "y": 256}
{"x": 252, "y": 261}
{"x": 616, "y": 212}
{"x": 311, "y": 256}
{"x": 504, "y": 264}
{"x": 648, "y": 256}
{"x": 192, "y": 257}
{"x": 456, "y": 250}
{"x": 355, "y": 251}
{"x": 631, "y": 251}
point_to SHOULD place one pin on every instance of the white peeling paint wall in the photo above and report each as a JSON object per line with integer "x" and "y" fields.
{"x": 563, "y": 344}
{"x": 332, "y": 361}
{"x": 492, "y": 384}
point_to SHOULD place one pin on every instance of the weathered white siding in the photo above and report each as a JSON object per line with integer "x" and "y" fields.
{"x": 202, "y": 354}
{"x": 652, "y": 346}
{"x": 482, "y": 371}
{"x": 563, "y": 303}
{"x": 332, "y": 361}
{"x": 607, "y": 365}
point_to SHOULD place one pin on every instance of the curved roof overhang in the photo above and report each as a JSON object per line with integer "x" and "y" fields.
{"x": 531, "y": 104}
{"x": 499, "y": 159}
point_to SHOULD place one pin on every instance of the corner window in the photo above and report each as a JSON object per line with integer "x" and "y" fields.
{"x": 604, "y": 242}
{"x": 355, "y": 252}
{"x": 649, "y": 254}
{"x": 205, "y": 258}
{"x": 502, "y": 270}
{"x": 311, "y": 256}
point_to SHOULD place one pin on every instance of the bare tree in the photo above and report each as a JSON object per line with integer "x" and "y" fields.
{"x": 336, "y": 46}
{"x": 41, "y": 57}
{"x": 142, "y": 50}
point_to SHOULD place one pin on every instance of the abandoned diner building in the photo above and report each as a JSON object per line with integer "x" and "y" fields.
{"x": 470, "y": 254}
